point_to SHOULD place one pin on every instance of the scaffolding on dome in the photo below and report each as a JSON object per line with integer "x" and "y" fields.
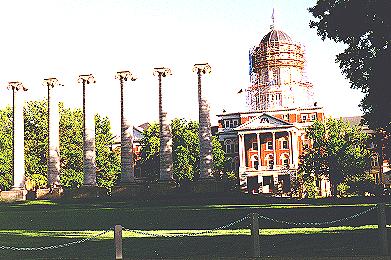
{"x": 268, "y": 87}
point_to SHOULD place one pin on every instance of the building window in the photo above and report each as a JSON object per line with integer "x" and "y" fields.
{"x": 374, "y": 160}
{"x": 270, "y": 161}
{"x": 284, "y": 144}
{"x": 226, "y": 123}
{"x": 313, "y": 117}
{"x": 285, "y": 160}
{"x": 269, "y": 145}
{"x": 254, "y": 146}
{"x": 303, "y": 118}
{"x": 229, "y": 147}
{"x": 264, "y": 120}
{"x": 255, "y": 163}
{"x": 285, "y": 117}
{"x": 235, "y": 123}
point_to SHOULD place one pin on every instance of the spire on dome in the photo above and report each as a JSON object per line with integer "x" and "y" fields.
{"x": 272, "y": 26}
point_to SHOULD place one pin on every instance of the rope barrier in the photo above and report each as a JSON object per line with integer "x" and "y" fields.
{"x": 13, "y": 248}
{"x": 188, "y": 234}
{"x": 149, "y": 233}
{"x": 317, "y": 223}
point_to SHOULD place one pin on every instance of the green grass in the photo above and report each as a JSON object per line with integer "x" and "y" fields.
{"x": 45, "y": 223}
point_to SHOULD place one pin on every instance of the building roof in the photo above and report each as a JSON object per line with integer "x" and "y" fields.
{"x": 352, "y": 120}
{"x": 276, "y": 36}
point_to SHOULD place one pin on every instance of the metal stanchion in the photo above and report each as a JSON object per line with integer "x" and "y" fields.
{"x": 382, "y": 226}
{"x": 118, "y": 241}
{"x": 255, "y": 235}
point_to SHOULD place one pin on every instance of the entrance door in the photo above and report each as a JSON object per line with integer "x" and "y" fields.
{"x": 252, "y": 184}
{"x": 286, "y": 182}
{"x": 268, "y": 181}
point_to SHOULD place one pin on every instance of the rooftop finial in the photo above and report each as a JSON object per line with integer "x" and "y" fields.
{"x": 272, "y": 26}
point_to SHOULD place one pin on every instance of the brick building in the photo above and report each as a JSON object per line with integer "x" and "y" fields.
{"x": 265, "y": 142}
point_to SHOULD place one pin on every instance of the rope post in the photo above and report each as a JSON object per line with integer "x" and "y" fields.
{"x": 118, "y": 241}
{"x": 255, "y": 235}
{"x": 382, "y": 227}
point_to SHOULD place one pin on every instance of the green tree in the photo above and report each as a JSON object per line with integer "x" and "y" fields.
{"x": 185, "y": 151}
{"x": 6, "y": 148}
{"x": 71, "y": 147}
{"x": 338, "y": 152}
{"x": 365, "y": 28}
{"x": 35, "y": 138}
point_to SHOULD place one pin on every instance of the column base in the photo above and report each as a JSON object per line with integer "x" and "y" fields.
{"x": 209, "y": 185}
{"x": 128, "y": 190}
{"x": 87, "y": 192}
{"x": 15, "y": 194}
{"x": 49, "y": 193}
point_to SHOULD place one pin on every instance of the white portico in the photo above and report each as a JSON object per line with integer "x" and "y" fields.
{"x": 268, "y": 153}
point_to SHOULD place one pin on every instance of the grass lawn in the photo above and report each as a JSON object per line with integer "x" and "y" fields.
{"x": 44, "y": 223}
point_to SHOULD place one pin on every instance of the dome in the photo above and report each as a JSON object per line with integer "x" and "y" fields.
{"x": 276, "y": 36}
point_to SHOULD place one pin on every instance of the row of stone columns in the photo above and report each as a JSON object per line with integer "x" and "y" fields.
{"x": 89, "y": 154}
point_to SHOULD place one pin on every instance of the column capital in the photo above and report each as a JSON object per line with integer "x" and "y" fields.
{"x": 162, "y": 71}
{"x": 16, "y": 85}
{"x": 86, "y": 79}
{"x": 50, "y": 82}
{"x": 202, "y": 68}
{"x": 125, "y": 75}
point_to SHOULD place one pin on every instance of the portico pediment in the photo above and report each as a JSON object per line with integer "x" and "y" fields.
{"x": 264, "y": 121}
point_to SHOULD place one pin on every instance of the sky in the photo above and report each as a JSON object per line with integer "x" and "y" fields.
{"x": 66, "y": 38}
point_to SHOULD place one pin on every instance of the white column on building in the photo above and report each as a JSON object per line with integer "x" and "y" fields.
{"x": 241, "y": 163}
{"x": 89, "y": 156}
{"x": 244, "y": 151}
{"x": 274, "y": 149}
{"x": 205, "y": 135}
{"x": 166, "y": 165}
{"x": 18, "y": 138}
{"x": 295, "y": 152}
{"x": 54, "y": 133}
{"x": 127, "y": 166}
{"x": 259, "y": 150}
{"x": 290, "y": 143}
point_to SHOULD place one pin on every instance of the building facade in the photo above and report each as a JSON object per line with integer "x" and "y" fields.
{"x": 265, "y": 142}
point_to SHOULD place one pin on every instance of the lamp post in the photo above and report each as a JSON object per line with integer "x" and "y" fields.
{"x": 53, "y": 136}
{"x": 127, "y": 166}
{"x": 205, "y": 134}
{"x": 89, "y": 164}
{"x": 165, "y": 133}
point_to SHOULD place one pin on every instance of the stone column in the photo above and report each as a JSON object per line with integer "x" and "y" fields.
{"x": 274, "y": 149}
{"x": 165, "y": 132}
{"x": 89, "y": 164}
{"x": 54, "y": 134}
{"x": 18, "y": 138}
{"x": 127, "y": 166}
{"x": 205, "y": 136}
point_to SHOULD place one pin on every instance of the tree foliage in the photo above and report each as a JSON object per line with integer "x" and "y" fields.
{"x": 338, "y": 152}
{"x": 185, "y": 148}
{"x": 365, "y": 27}
{"x": 6, "y": 148}
{"x": 71, "y": 147}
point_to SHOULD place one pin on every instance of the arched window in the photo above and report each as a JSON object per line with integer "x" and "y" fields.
{"x": 269, "y": 161}
{"x": 254, "y": 162}
{"x": 285, "y": 160}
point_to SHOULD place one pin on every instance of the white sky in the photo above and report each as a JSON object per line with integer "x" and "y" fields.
{"x": 66, "y": 38}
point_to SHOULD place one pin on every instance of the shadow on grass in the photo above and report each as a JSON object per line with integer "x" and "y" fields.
{"x": 349, "y": 243}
